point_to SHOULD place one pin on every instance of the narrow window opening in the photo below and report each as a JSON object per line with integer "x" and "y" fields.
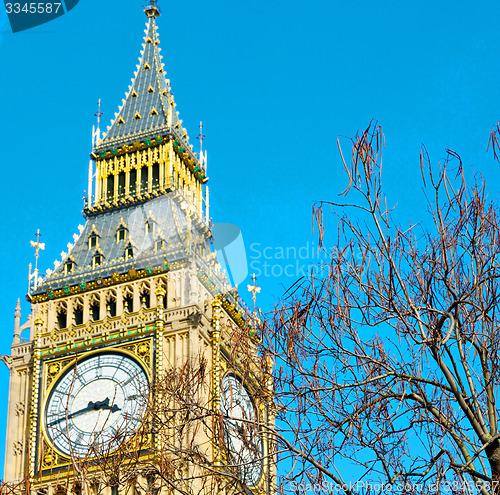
{"x": 68, "y": 267}
{"x": 61, "y": 319}
{"x": 144, "y": 180}
{"x": 121, "y": 184}
{"x": 97, "y": 260}
{"x": 129, "y": 253}
{"x": 145, "y": 299}
{"x": 94, "y": 311}
{"x": 133, "y": 181}
{"x": 112, "y": 308}
{"x": 156, "y": 176}
{"x": 110, "y": 186}
{"x": 78, "y": 313}
{"x": 150, "y": 227}
{"x": 159, "y": 245}
{"x": 128, "y": 303}
{"x": 92, "y": 241}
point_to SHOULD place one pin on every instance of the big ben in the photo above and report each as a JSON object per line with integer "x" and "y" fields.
{"x": 142, "y": 371}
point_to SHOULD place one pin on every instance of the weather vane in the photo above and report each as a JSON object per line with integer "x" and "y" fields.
{"x": 38, "y": 246}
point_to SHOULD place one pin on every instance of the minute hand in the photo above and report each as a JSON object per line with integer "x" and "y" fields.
{"x": 104, "y": 404}
{"x": 91, "y": 405}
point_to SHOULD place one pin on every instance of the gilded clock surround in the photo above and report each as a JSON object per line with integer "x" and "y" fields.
{"x": 52, "y": 459}
{"x": 260, "y": 418}
{"x": 226, "y": 362}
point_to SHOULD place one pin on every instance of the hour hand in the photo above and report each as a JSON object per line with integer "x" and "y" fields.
{"x": 104, "y": 404}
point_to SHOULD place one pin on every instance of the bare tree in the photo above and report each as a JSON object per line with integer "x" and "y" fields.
{"x": 387, "y": 364}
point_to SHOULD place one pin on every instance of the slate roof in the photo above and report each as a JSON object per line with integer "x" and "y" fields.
{"x": 145, "y": 110}
{"x": 170, "y": 224}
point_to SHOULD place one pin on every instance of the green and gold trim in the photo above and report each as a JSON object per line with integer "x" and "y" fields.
{"x": 85, "y": 344}
{"x": 100, "y": 282}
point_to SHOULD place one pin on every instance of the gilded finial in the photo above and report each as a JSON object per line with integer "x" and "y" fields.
{"x": 38, "y": 246}
{"x": 254, "y": 290}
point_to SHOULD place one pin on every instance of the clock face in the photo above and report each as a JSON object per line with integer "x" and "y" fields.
{"x": 96, "y": 405}
{"x": 241, "y": 431}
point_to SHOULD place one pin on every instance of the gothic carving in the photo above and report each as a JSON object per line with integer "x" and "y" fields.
{"x": 17, "y": 447}
{"x": 20, "y": 407}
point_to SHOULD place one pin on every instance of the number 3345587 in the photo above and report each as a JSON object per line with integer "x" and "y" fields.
{"x": 32, "y": 8}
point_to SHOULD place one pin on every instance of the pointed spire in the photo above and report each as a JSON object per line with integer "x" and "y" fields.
{"x": 17, "y": 323}
{"x": 148, "y": 110}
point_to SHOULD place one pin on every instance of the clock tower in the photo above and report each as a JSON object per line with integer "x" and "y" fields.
{"x": 142, "y": 370}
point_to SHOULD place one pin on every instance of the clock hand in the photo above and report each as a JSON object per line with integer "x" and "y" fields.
{"x": 105, "y": 405}
{"x": 91, "y": 405}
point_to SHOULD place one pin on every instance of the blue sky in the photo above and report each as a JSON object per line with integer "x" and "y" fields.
{"x": 275, "y": 83}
